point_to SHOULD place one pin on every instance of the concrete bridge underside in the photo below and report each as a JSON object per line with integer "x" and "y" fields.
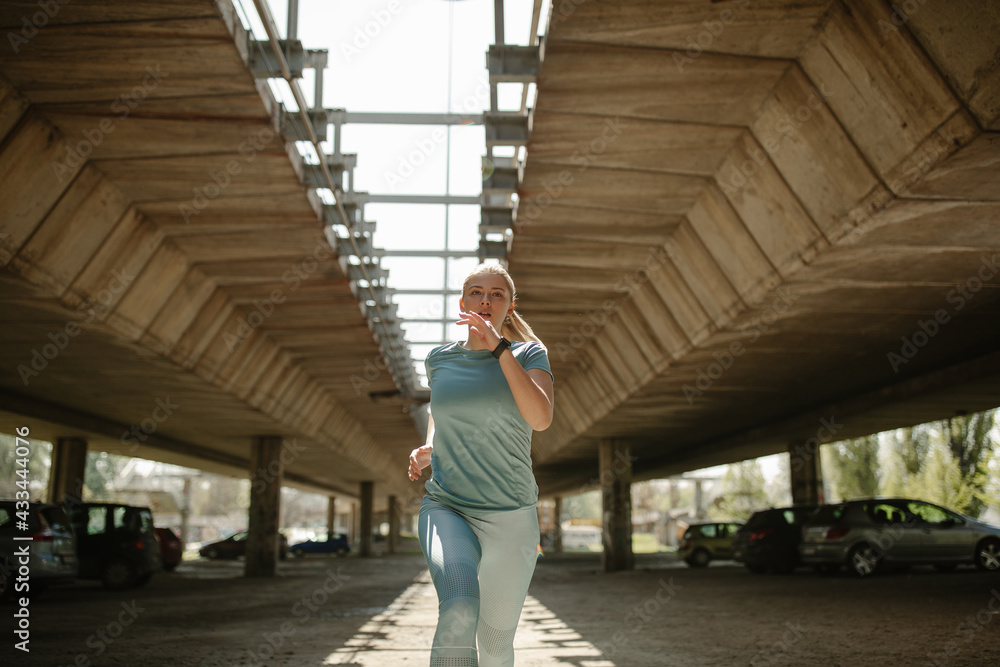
{"x": 733, "y": 213}
{"x": 731, "y": 216}
{"x": 169, "y": 289}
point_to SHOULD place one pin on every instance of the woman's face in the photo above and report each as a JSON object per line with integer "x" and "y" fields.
{"x": 487, "y": 294}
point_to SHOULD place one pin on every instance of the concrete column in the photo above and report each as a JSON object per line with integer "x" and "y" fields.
{"x": 266, "y": 473}
{"x": 806, "y": 475}
{"x": 392, "y": 541}
{"x": 69, "y": 464}
{"x": 616, "y": 482}
{"x": 557, "y": 546}
{"x": 365, "y": 527}
{"x": 352, "y": 525}
{"x": 331, "y": 515}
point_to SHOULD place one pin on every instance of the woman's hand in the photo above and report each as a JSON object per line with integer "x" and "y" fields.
{"x": 420, "y": 458}
{"x": 480, "y": 327}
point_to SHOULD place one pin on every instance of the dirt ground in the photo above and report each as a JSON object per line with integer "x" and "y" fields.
{"x": 381, "y": 612}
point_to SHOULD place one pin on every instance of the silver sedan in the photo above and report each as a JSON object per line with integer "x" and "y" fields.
{"x": 864, "y": 534}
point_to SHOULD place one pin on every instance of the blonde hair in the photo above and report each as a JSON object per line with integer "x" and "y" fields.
{"x": 514, "y": 327}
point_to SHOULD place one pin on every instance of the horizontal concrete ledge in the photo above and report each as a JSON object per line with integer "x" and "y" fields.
{"x": 810, "y": 424}
{"x": 105, "y": 435}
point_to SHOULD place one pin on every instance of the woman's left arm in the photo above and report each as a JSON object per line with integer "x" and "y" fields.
{"x": 532, "y": 390}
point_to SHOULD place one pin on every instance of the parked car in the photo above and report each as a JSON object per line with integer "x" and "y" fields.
{"x": 235, "y": 546}
{"x": 769, "y": 541}
{"x": 115, "y": 543}
{"x": 705, "y": 542}
{"x": 171, "y": 548}
{"x": 52, "y": 552}
{"x": 865, "y": 534}
{"x": 334, "y": 543}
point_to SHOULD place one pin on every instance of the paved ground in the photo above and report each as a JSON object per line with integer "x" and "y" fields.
{"x": 381, "y": 612}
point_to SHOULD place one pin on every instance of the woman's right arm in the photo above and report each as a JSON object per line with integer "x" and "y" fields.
{"x": 420, "y": 457}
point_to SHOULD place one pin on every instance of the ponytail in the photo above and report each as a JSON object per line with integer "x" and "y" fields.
{"x": 515, "y": 328}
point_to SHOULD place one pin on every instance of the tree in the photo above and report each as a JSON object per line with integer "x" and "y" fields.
{"x": 584, "y": 506}
{"x": 915, "y": 444}
{"x": 941, "y": 481}
{"x": 950, "y": 462}
{"x": 968, "y": 439}
{"x": 39, "y": 460}
{"x": 856, "y": 471}
{"x": 742, "y": 492}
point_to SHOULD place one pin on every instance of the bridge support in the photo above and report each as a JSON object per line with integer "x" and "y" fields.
{"x": 266, "y": 473}
{"x": 806, "y": 474}
{"x": 616, "y": 483}
{"x": 331, "y": 515}
{"x": 392, "y": 541}
{"x": 69, "y": 463}
{"x": 557, "y": 545}
{"x": 365, "y": 532}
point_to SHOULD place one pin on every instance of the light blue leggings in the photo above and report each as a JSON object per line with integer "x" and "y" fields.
{"x": 481, "y": 568}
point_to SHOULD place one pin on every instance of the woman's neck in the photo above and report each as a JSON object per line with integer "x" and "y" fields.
{"x": 474, "y": 343}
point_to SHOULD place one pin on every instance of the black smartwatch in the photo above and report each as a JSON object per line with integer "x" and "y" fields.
{"x": 501, "y": 346}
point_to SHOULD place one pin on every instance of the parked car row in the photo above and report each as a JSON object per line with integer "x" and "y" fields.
{"x": 110, "y": 542}
{"x": 235, "y": 546}
{"x": 862, "y": 535}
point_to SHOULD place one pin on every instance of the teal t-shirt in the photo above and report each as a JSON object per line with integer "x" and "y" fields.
{"x": 482, "y": 446}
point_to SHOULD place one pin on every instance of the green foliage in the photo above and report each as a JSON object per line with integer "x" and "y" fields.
{"x": 583, "y": 506}
{"x": 742, "y": 494}
{"x": 952, "y": 463}
{"x": 645, "y": 543}
{"x": 855, "y": 468}
{"x": 102, "y": 475}
{"x": 39, "y": 460}
{"x": 941, "y": 481}
{"x": 968, "y": 439}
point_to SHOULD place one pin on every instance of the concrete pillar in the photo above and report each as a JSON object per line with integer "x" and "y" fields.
{"x": 331, "y": 515}
{"x": 365, "y": 527}
{"x": 616, "y": 483}
{"x": 352, "y": 525}
{"x": 806, "y": 475}
{"x": 557, "y": 546}
{"x": 266, "y": 473}
{"x": 392, "y": 541}
{"x": 69, "y": 465}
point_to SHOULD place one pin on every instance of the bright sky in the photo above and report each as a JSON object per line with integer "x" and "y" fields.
{"x": 405, "y": 56}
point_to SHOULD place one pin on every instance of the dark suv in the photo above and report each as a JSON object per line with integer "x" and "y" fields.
{"x": 52, "y": 558}
{"x": 770, "y": 539}
{"x": 115, "y": 543}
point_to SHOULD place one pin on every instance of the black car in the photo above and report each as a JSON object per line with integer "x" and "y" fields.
{"x": 235, "y": 546}
{"x": 115, "y": 543}
{"x": 52, "y": 552}
{"x": 770, "y": 539}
